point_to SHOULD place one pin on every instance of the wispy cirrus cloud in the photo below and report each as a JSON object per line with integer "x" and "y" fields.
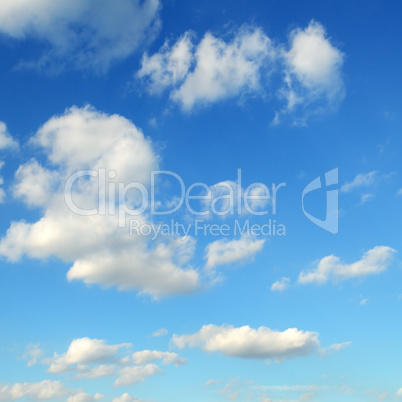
{"x": 361, "y": 180}
{"x": 160, "y": 332}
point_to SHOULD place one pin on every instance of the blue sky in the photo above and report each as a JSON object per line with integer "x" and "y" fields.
{"x": 279, "y": 92}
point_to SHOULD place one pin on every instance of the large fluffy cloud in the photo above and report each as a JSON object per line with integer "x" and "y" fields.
{"x": 373, "y": 261}
{"x": 249, "y": 343}
{"x": 86, "y": 33}
{"x": 215, "y": 68}
{"x": 102, "y": 250}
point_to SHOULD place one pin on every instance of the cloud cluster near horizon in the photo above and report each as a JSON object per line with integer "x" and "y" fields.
{"x": 94, "y": 358}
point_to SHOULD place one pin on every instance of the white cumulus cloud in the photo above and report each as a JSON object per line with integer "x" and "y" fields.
{"x": 210, "y": 71}
{"x": 84, "y": 351}
{"x": 217, "y": 68}
{"x": 84, "y": 397}
{"x": 93, "y": 358}
{"x": 85, "y": 139}
{"x": 126, "y": 398}
{"x": 373, "y": 261}
{"x": 169, "y": 66}
{"x": 39, "y": 391}
{"x": 315, "y": 62}
{"x": 312, "y": 74}
{"x": 249, "y": 343}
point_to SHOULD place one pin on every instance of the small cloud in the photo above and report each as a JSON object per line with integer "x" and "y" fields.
{"x": 32, "y": 353}
{"x": 211, "y": 382}
{"x": 361, "y": 180}
{"x": 366, "y": 197}
{"x": 280, "y": 285}
{"x": 153, "y": 122}
{"x": 127, "y": 398}
{"x": 312, "y": 74}
{"x": 160, "y": 332}
{"x": 373, "y": 261}
{"x": 223, "y": 252}
{"x": 334, "y": 348}
{"x": 363, "y": 302}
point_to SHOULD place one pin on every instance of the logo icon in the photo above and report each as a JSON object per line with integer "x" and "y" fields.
{"x": 330, "y": 223}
